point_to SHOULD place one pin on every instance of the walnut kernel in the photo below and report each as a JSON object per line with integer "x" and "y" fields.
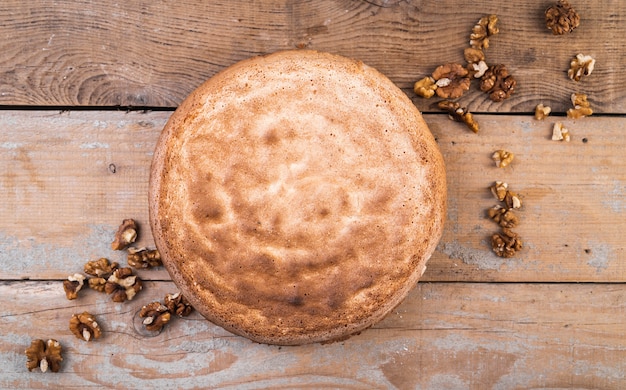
{"x": 580, "y": 66}
{"x": 126, "y": 234}
{"x": 156, "y": 315}
{"x": 506, "y": 243}
{"x": 459, "y": 114}
{"x": 100, "y": 268}
{"x": 502, "y": 158}
{"x": 73, "y": 285}
{"x": 178, "y": 304}
{"x": 499, "y": 190}
{"x": 85, "y": 327}
{"x": 541, "y": 112}
{"x": 486, "y": 27}
{"x": 123, "y": 285}
{"x": 425, "y": 87}
{"x": 144, "y": 258}
{"x": 498, "y": 83}
{"x": 560, "y": 133}
{"x": 503, "y": 216}
{"x": 581, "y": 108}
{"x": 44, "y": 355}
{"x": 561, "y": 18}
{"x": 452, "y": 80}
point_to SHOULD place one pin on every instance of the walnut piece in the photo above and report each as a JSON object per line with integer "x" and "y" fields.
{"x": 506, "y": 243}
{"x": 560, "y": 133}
{"x": 97, "y": 284}
{"x": 178, "y": 304}
{"x": 123, "y": 285}
{"x": 126, "y": 234}
{"x": 73, "y": 285}
{"x": 459, "y": 114}
{"x": 501, "y": 192}
{"x": 452, "y": 80}
{"x": 44, "y": 355}
{"x": 580, "y": 66}
{"x": 581, "y": 108}
{"x": 486, "y": 27}
{"x": 100, "y": 268}
{"x": 503, "y": 216}
{"x": 144, "y": 258}
{"x": 85, "y": 327}
{"x": 425, "y": 87}
{"x": 502, "y": 158}
{"x": 561, "y": 18}
{"x": 156, "y": 315}
{"x": 498, "y": 83}
{"x": 542, "y": 112}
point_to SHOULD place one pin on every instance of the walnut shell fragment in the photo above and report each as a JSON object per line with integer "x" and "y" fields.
{"x": 561, "y": 18}
{"x": 85, "y": 327}
{"x": 44, "y": 355}
{"x": 126, "y": 234}
{"x": 452, "y": 80}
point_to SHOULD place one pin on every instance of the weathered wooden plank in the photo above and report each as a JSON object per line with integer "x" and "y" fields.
{"x": 455, "y": 336}
{"x": 142, "y": 53}
{"x": 68, "y": 179}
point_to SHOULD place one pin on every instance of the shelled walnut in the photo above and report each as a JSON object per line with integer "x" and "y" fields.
{"x": 542, "y": 112}
{"x": 73, "y": 285}
{"x": 156, "y": 315}
{"x": 503, "y": 216}
{"x": 459, "y": 114}
{"x": 581, "y": 108}
{"x": 581, "y": 65}
{"x": 126, "y": 234}
{"x": 506, "y": 243}
{"x": 501, "y": 192}
{"x": 452, "y": 80}
{"x": 476, "y": 64}
{"x": 123, "y": 285}
{"x": 100, "y": 268}
{"x": 144, "y": 258}
{"x": 502, "y": 158}
{"x": 425, "y": 87}
{"x": 498, "y": 83}
{"x": 44, "y": 355}
{"x": 561, "y": 18}
{"x": 486, "y": 27}
{"x": 178, "y": 304}
{"x": 85, "y": 327}
{"x": 560, "y": 133}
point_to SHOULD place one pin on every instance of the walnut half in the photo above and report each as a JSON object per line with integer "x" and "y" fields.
{"x": 580, "y": 66}
{"x": 156, "y": 315}
{"x": 459, "y": 114}
{"x": 502, "y": 158}
{"x": 452, "y": 80}
{"x": 498, "y": 83}
{"x": 123, "y": 285}
{"x": 144, "y": 258}
{"x": 506, "y": 243}
{"x": 85, "y": 327}
{"x": 44, "y": 355}
{"x": 73, "y": 285}
{"x": 126, "y": 234}
{"x": 561, "y": 18}
{"x": 178, "y": 304}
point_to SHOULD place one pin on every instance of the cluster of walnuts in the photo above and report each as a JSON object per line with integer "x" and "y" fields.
{"x": 505, "y": 243}
{"x": 122, "y": 285}
{"x": 451, "y": 81}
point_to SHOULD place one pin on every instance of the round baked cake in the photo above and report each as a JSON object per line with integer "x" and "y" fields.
{"x": 296, "y": 197}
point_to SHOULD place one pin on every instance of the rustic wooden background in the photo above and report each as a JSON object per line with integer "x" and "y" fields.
{"x": 86, "y": 87}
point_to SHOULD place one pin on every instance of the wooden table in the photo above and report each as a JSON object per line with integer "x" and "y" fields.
{"x": 86, "y": 87}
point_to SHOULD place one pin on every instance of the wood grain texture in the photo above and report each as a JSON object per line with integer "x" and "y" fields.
{"x": 65, "y": 190}
{"x": 145, "y": 53}
{"x": 452, "y": 336}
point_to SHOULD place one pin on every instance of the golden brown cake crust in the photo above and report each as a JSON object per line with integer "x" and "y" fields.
{"x": 296, "y": 197}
